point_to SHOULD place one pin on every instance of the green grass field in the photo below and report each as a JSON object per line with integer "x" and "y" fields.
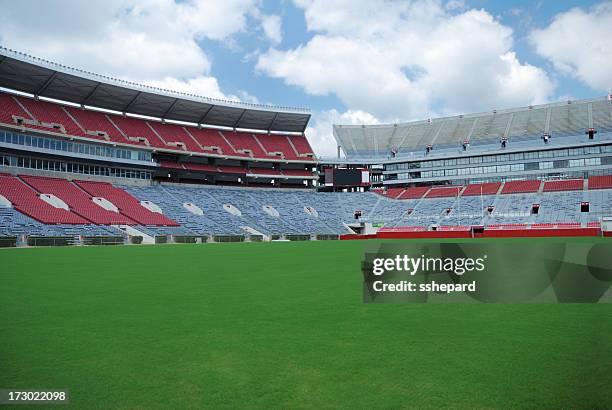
{"x": 279, "y": 325}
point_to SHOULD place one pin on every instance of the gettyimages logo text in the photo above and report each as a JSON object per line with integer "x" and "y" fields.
{"x": 423, "y": 264}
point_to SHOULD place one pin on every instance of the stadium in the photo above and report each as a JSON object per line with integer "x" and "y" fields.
{"x": 125, "y": 163}
{"x": 169, "y": 250}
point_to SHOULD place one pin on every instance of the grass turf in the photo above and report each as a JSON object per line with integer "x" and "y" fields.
{"x": 279, "y": 325}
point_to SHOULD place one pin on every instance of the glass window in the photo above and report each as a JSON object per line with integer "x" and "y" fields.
{"x": 592, "y": 161}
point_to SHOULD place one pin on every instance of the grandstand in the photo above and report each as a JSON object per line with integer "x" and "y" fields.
{"x": 86, "y": 156}
{"x": 563, "y": 120}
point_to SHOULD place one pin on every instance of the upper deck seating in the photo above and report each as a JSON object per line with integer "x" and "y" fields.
{"x": 50, "y": 113}
{"x": 213, "y": 141}
{"x": 107, "y": 126}
{"x": 274, "y": 143}
{"x": 10, "y": 109}
{"x": 137, "y": 131}
{"x": 175, "y": 136}
{"x": 95, "y": 123}
{"x": 301, "y": 145}
{"x": 245, "y": 143}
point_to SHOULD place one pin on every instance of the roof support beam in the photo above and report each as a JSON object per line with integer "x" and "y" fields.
{"x": 201, "y": 121}
{"x": 48, "y": 82}
{"x": 239, "y": 118}
{"x": 272, "y": 122}
{"x": 105, "y": 93}
{"x": 169, "y": 110}
{"x": 90, "y": 94}
{"x": 306, "y": 124}
{"x": 129, "y": 105}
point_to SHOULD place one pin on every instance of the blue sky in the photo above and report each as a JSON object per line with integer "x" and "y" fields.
{"x": 236, "y": 73}
{"x": 349, "y": 61}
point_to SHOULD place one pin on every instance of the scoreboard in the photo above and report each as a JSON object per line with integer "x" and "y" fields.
{"x": 343, "y": 177}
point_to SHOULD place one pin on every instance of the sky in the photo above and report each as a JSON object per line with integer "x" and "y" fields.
{"x": 348, "y": 61}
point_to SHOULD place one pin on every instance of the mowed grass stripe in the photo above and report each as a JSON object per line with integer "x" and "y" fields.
{"x": 278, "y": 325}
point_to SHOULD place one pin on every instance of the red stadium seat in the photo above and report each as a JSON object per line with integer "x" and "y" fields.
{"x": 600, "y": 182}
{"x": 517, "y": 187}
{"x": 175, "y": 137}
{"x": 489, "y": 188}
{"x": 94, "y": 123}
{"x": 79, "y": 202}
{"x": 26, "y": 200}
{"x": 414, "y": 193}
{"x": 443, "y": 192}
{"x": 564, "y": 185}
{"x": 53, "y": 114}
{"x": 244, "y": 142}
{"x": 101, "y": 126}
{"x": 274, "y": 143}
{"x": 303, "y": 148}
{"x": 214, "y": 141}
{"x": 137, "y": 131}
{"x": 127, "y": 204}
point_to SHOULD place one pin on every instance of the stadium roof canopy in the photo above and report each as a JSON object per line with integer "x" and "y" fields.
{"x": 42, "y": 78}
{"x": 557, "y": 119}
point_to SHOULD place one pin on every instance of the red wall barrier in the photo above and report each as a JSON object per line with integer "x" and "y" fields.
{"x": 492, "y": 233}
{"x": 522, "y": 233}
{"x": 423, "y": 234}
{"x": 352, "y": 236}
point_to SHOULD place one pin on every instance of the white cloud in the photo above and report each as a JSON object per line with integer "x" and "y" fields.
{"x": 455, "y": 5}
{"x": 152, "y": 41}
{"x": 400, "y": 60}
{"x": 202, "y": 85}
{"x": 320, "y": 132}
{"x": 272, "y": 27}
{"x": 577, "y": 42}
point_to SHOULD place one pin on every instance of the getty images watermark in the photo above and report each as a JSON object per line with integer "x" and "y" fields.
{"x": 487, "y": 272}
{"x": 420, "y": 265}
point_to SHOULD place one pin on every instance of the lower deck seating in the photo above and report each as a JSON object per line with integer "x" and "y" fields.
{"x": 516, "y": 187}
{"x": 26, "y": 200}
{"x": 79, "y": 202}
{"x": 600, "y": 182}
{"x": 564, "y": 185}
{"x": 213, "y": 210}
{"x": 126, "y": 203}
